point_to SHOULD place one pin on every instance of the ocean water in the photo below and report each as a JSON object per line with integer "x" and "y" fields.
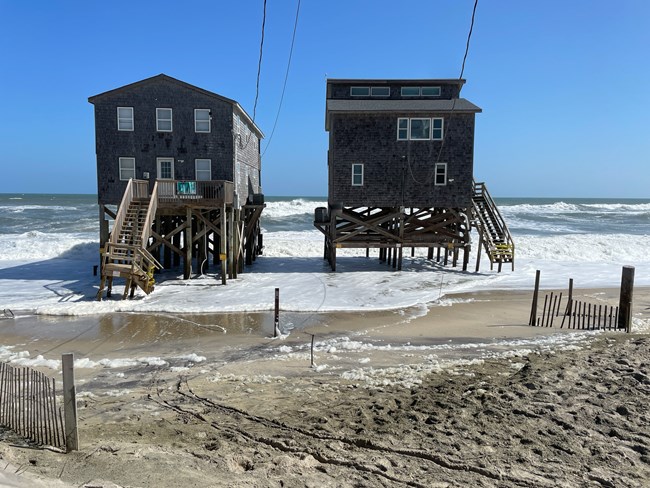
{"x": 49, "y": 244}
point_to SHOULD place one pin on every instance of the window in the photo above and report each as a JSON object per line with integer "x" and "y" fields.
{"x": 380, "y": 91}
{"x": 410, "y": 91}
{"x": 430, "y": 91}
{"x": 164, "y": 119}
{"x": 357, "y": 174}
{"x": 420, "y": 129}
{"x": 202, "y": 120}
{"x": 203, "y": 169}
{"x": 437, "y": 129}
{"x": 124, "y": 118}
{"x": 420, "y": 91}
{"x": 441, "y": 174}
{"x": 402, "y": 129}
{"x": 127, "y": 169}
{"x": 359, "y": 91}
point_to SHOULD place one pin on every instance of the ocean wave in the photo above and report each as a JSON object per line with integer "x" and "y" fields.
{"x": 36, "y": 246}
{"x": 287, "y": 208}
{"x": 22, "y": 208}
{"x": 560, "y": 208}
{"x": 608, "y": 248}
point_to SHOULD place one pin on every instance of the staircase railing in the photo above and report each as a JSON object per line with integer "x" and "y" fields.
{"x": 503, "y": 251}
{"x": 151, "y": 215}
{"x": 134, "y": 189}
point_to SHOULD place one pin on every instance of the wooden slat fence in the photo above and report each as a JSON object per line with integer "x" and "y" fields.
{"x": 28, "y": 405}
{"x": 577, "y": 314}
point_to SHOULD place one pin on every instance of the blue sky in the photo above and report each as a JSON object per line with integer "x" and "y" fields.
{"x": 563, "y": 84}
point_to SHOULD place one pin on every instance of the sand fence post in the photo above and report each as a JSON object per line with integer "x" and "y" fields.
{"x": 69, "y": 403}
{"x": 625, "y": 300}
{"x": 276, "y": 323}
{"x": 312, "y": 349}
{"x": 533, "y": 308}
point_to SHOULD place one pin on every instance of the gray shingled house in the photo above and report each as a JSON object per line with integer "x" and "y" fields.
{"x": 400, "y": 169}
{"x": 179, "y": 173}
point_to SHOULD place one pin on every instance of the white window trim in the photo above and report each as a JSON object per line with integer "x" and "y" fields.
{"x": 420, "y": 138}
{"x": 431, "y": 129}
{"x": 122, "y": 118}
{"x": 121, "y": 160}
{"x": 379, "y": 87}
{"x": 435, "y": 174}
{"x": 171, "y": 120}
{"x": 209, "y": 121}
{"x": 196, "y": 168}
{"x": 434, "y": 87}
{"x": 442, "y": 128}
{"x": 353, "y": 87}
{"x": 160, "y": 160}
{"x": 358, "y": 165}
{"x": 408, "y": 127}
{"x": 411, "y": 87}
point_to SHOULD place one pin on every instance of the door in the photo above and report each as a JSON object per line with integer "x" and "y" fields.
{"x": 165, "y": 168}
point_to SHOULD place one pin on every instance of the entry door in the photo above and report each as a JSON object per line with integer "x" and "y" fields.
{"x": 165, "y": 168}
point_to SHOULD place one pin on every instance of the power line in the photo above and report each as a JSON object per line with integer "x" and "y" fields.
{"x": 259, "y": 64}
{"x": 453, "y": 104}
{"x": 286, "y": 77}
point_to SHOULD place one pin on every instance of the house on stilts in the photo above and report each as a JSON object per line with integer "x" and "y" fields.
{"x": 400, "y": 166}
{"x": 178, "y": 180}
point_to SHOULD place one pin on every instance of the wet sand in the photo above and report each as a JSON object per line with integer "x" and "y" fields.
{"x": 464, "y": 395}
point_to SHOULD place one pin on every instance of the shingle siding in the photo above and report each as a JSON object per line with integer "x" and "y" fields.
{"x": 145, "y": 144}
{"x": 396, "y": 172}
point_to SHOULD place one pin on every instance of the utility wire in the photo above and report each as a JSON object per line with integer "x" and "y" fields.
{"x": 259, "y": 64}
{"x": 453, "y": 104}
{"x": 286, "y": 77}
{"x": 257, "y": 84}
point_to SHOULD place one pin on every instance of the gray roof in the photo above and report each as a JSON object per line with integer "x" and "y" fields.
{"x": 413, "y": 106}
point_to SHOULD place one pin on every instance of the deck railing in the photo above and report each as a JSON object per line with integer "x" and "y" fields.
{"x": 200, "y": 193}
{"x": 134, "y": 189}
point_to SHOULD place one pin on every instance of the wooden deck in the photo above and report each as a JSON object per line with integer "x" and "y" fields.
{"x": 177, "y": 220}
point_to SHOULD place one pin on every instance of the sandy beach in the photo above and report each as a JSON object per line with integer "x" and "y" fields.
{"x": 458, "y": 395}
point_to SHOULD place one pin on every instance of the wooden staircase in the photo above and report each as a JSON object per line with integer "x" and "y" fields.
{"x": 493, "y": 232}
{"x": 125, "y": 255}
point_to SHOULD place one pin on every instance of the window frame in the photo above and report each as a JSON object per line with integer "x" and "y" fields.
{"x": 352, "y": 88}
{"x": 412, "y": 88}
{"x": 196, "y": 169}
{"x": 159, "y": 119}
{"x": 410, "y": 133}
{"x": 373, "y": 88}
{"x": 122, "y": 119}
{"x": 436, "y": 88}
{"x": 360, "y": 174}
{"x": 434, "y": 128}
{"x": 121, "y": 168}
{"x": 159, "y": 162}
{"x": 436, "y": 174}
{"x": 407, "y": 128}
{"x": 209, "y": 121}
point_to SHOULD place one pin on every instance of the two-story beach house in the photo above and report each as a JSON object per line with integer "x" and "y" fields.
{"x": 179, "y": 174}
{"x": 400, "y": 169}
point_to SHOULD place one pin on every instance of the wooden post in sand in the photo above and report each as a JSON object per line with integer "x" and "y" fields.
{"x": 276, "y": 323}
{"x": 625, "y": 301}
{"x": 70, "y": 404}
{"x": 533, "y": 308}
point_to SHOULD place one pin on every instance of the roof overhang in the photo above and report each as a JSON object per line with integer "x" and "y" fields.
{"x": 343, "y": 106}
